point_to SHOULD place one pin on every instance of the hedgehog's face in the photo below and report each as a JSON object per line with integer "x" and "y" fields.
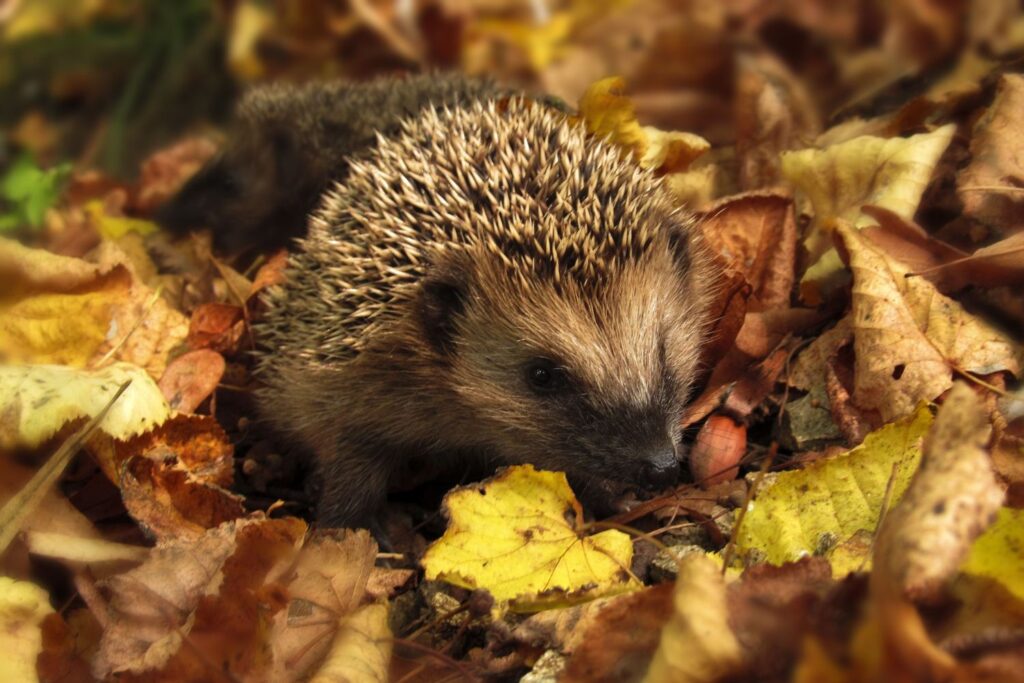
{"x": 588, "y": 380}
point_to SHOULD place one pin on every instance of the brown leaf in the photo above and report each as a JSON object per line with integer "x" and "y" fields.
{"x": 209, "y": 590}
{"x": 990, "y": 186}
{"x": 165, "y": 171}
{"x": 216, "y": 326}
{"x": 952, "y": 498}
{"x": 191, "y": 378}
{"x": 620, "y": 639}
{"x": 908, "y": 338}
{"x": 755, "y": 234}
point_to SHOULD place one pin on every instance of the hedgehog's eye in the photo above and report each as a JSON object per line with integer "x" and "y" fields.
{"x": 544, "y": 376}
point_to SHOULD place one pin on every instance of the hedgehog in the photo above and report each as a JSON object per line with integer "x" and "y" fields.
{"x": 490, "y": 282}
{"x": 288, "y": 143}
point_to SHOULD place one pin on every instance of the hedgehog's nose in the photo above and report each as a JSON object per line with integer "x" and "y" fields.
{"x": 660, "y": 469}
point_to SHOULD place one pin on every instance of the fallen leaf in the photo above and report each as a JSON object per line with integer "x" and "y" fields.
{"x": 361, "y": 650}
{"x": 210, "y": 590}
{"x": 999, "y": 552}
{"x": 952, "y": 498}
{"x": 990, "y": 186}
{"x": 190, "y": 378}
{"x": 808, "y": 511}
{"x": 519, "y": 536}
{"x": 908, "y": 339}
{"x": 755, "y": 234}
{"x": 164, "y": 172}
{"x": 216, "y": 326}
{"x": 38, "y": 400}
{"x": 70, "y": 548}
{"x": 697, "y": 644}
{"x": 840, "y": 179}
{"x": 617, "y": 642}
{"x": 326, "y": 587}
{"x": 607, "y": 113}
{"x": 23, "y": 606}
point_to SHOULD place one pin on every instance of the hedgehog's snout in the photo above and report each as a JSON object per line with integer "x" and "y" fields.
{"x": 659, "y": 468}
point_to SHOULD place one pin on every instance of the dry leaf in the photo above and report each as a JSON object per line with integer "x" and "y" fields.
{"x": 361, "y": 649}
{"x": 209, "y": 589}
{"x": 990, "y": 186}
{"x": 697, "y": 643}
{"x": 23, "y": 606}
{"x": 37, "y": 400}
{"x": 908, "y": 339}
{"x": 951, "y": 500}
{"x": 191, "y": 378}
{"x": 839, "y": 180}
{"x": 755, "y": 234}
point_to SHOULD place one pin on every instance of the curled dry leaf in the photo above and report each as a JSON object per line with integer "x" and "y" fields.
{"x": 697, "y": 644}
{"x": 606, "y": 112}
{"x": 164, "y": 172}
{"x": 519, "y": 536}
{"x": 216, "y": 326}
{"x": 37, "y": 400}
{"x": 951, "y": 500}
{"x": 173, "y": 478}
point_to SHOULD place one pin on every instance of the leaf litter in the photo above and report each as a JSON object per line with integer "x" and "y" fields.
{"x": 855, "y": 439}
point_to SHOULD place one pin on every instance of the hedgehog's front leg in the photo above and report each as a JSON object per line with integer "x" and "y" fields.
{"x": 354, "y": 482}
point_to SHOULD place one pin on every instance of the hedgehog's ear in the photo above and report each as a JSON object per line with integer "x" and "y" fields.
{"x": 680, "y": 243}
{"x": 442, "y": 298}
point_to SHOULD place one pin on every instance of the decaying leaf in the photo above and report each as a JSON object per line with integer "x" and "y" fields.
{"x": 697, "y": 643}
{"x": 806, "y": 512}
{"x": 191, "y": 378}
{"x": 37, "y": 400}
{"x": 839, "y": 180}
{"x": 23, "y": 606}
{"x": 519, "y": 536}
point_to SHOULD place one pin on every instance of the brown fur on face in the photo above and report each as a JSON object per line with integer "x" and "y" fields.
{"x": 454, "y": 259}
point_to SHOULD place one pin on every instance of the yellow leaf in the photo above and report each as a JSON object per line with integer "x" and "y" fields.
{"x": 361, "y": 650}
{"x": 67, "y": 329}
{"x": 67, "y": 311}
{"x": 807, "y": 511}
{"x": 115, "y": 227}
{"x": 908, "y": 338}
{"x": 697, "y": 643}
{"x": 840, "y": 179}
{"x": 518, "y": 535}
{"x": 999, "y": 552}
{"x": 37, "y": 400}
{"x": 606, "y": 112}
{"x": 23, "y": 606}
